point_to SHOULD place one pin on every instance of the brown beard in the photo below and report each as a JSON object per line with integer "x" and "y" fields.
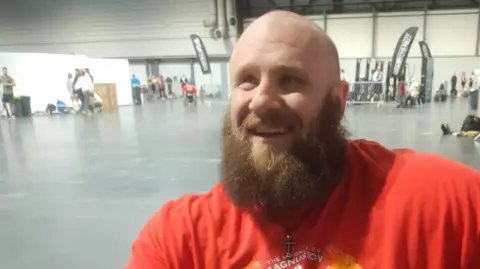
{"x": 305, "y": 174}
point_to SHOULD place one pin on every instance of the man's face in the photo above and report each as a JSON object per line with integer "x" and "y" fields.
{"x": 4, "y": 71}
{"x": 282, "y": 136}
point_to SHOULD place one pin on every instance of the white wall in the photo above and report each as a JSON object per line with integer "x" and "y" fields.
{"x": 352, "y": 34}
{"x": 448, "y": 33}
{"x": 107, "y": 28}
{"x": 452, "y": 35}
{"x": 43, "y": 77}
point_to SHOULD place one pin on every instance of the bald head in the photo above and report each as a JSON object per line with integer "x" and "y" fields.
{"x": 315, "y": 48}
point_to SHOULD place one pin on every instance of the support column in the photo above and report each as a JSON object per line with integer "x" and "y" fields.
{"x": 424, "y": 37}
{"x": 325, "y": 20}
{"x": 478, "y": 34}
{"x": 152, "y": 67}
{"x": 147, "y": 69}
{"x": 192, "y": 70}
{"x": 374, "y": 33}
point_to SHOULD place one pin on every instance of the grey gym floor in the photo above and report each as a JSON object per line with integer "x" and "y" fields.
{"x": 75, "y": 191}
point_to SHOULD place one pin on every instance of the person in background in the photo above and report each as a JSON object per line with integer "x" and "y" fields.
{"x": 82, "y": 90}
{"x": 77, "y": 87}
{"x": 378, "y": 77}
{"x": 8, "y": 83}
{"x": 77, "y": 75}
{"x": 189, "y": 87}
{"x": 87, "y": 71}
{"x": 177, "y": 86}
{"x": 136, "y": 89}
{"x": 470, "y": 81}
{"x": 453, "y": 82}
{"x": 154, "y": 84}
{"x": 88, "y": 90}
{"x": 342, "y": 75}
{"x": 134, "y": 81}
{"x": 70, "y": 89}
{"x": 169, "y": 82}
{"x": 183, "y": 80}
{"x": 463, "y": 82}
{"x": 161, "y": 87}
{"x": 414, "y": 94}
{"x": 401, "y": 90}
{"x": 190, "y": 92}
{"x": 474, "y": 91}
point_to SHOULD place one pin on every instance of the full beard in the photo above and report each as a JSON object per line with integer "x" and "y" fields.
{"x": 303, "y": 175}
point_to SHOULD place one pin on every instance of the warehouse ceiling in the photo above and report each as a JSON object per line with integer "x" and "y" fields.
{"x": 255, "y": 8}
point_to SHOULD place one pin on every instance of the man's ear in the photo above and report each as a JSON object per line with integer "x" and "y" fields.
{"x": 341, "y": 92}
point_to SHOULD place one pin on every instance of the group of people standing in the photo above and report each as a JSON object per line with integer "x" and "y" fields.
{"x": 468, "y": 88}
{"x": 166, "y": 87}
{"x": 81, "y": 89}
{"x": 466, "y": 85}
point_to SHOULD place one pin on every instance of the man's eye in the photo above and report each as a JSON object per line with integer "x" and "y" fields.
{"x": 249, "y": 82}
{"x": 290, "y": 82}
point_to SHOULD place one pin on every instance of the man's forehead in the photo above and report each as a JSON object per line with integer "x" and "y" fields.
{"x": 294, "y": 32}
{"x": 276, "y": 55}
{"x": 284, "y": 40}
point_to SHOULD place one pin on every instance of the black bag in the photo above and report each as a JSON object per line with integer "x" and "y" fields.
{"x": 471, "y": 123}
{"x": 50, "y": 108}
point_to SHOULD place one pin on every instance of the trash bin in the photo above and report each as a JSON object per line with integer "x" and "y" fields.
{"x": 474, "y": 100}
{"x": 26, "y": 106}
{"x": 18, "y": 110}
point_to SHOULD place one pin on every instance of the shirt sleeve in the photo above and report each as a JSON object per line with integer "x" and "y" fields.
{"x": 147, "y": 250}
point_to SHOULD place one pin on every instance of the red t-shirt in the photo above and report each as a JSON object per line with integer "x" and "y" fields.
{"x": 189, "y": 88}
{"x": 394, "y": 209}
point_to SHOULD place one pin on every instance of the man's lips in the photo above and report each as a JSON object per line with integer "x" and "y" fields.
{"x": 269, "y": 132}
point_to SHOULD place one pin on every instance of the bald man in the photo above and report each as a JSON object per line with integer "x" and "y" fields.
{"x": 295, "y": 192}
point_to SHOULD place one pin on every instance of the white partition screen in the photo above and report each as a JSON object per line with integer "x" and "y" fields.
{"x": 43, "y": 77}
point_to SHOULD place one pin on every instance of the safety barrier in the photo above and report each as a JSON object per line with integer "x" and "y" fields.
{"x": 366, "y": 93}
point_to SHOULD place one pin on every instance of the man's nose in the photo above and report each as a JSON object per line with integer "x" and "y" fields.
{"x": 264, "y": 100}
